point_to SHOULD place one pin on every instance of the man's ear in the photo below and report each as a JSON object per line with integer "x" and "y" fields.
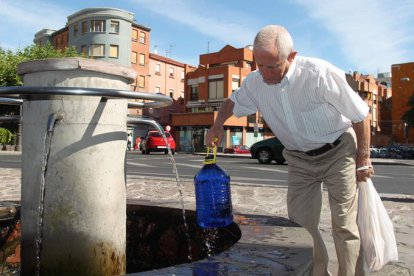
{"x": 291, "y": 56}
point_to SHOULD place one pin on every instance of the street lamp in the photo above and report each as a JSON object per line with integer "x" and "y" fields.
{"x": 406, "y": 132}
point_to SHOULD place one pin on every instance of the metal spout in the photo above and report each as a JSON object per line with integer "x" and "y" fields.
{"x": 51, "y": 121}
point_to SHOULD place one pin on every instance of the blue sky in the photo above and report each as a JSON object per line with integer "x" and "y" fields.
{"x": 359, "y": 35}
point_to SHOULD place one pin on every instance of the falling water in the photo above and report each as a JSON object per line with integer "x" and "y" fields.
{"x": 46, "y": 151}
{"x": 175, "y": 172}
{"x": 180, "y": 190}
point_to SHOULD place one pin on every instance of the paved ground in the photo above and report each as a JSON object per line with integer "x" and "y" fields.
{"x": 270, "y": 245}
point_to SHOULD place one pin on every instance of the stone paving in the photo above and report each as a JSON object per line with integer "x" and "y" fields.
{"x": 270, "y": 244}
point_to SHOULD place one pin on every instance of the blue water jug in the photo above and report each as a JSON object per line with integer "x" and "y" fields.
{"x": 213, "y": 195}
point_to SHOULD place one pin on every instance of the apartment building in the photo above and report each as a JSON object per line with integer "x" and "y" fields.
{"x": 220, "y": 73}
{"x": 108, "y": 34}
{"x": 378, "y": 97}
{"x": 167, "y": 76}
{"x": 112, "y": 34}
{"x": 403, "y": 89}
{"x": 216, "y": 77}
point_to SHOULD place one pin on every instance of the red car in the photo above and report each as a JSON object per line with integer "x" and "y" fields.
{"x": 238, "y": 149}
{"x": 154, "y": 142}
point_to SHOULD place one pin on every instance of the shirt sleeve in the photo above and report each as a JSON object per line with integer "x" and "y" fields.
{"x": 243, "y": 104}
{"x": 343, "y": 97}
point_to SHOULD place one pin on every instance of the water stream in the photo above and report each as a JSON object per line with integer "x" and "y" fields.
{"x": 143, "y": 120}
{"x": 45, "y": 157}
{"x": 179, "y": 185}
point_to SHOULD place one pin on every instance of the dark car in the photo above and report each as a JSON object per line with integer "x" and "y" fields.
{"x": 267, "y": 150}
{"x": 154, "y": 142}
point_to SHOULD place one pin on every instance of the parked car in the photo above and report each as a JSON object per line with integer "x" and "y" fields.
{"x": 154, "y": 142}
{"x": 267, "y": 150}
{"x": 238, "y": 149}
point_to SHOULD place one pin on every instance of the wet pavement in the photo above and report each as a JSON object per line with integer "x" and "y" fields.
{"x": 270, "y": 243}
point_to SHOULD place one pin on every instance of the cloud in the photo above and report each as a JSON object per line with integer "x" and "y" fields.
{"x": 219, "y": 22}
{"x": 373, "y": 34}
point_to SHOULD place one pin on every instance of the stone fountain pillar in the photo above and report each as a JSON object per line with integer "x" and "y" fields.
{"x": 84, "y": 222}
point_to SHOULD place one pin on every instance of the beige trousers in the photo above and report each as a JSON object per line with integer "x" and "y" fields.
{"x": 336, "y": 169}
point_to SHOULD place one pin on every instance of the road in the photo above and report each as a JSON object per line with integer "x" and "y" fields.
{"x": 390, "y": 179}
{"x": 395, "y": 179}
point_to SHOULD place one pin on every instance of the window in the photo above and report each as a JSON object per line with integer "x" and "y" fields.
{"x": 194, "y": 93}
{"x": 75, "y": 29}
{"x": 114, "y": 29}
{"x": 113, "y": 51}
{"x": 157, "y": 89}
{"x": 171, "y": 72}
{"x": 141, "y": 59}
{"x": 182, "y": 75}
{"x": 171, "y": 93}
{"x": 84, "y": 27}
{"x": 142, "y": 37}
{"x": 134, "y": 57}
{"x": 84, "y": 51}
{"x": 134, "y": 35}
{"x": 234, "y": 84}
{"x": 158, "y": 69}
{"x": 97, "y": 50}
{"x": 182, "y": 94}
{"x": 141, "y": 81}
{"x": 216, "y": 89}
{"x": 98, "y": 26}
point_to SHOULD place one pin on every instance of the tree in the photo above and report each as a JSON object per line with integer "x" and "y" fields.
{"x": 8, "y": 70}
{"x": 408, "y": 116}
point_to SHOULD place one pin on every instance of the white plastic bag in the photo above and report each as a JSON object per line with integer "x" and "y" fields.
{"x": 377, "y": 233}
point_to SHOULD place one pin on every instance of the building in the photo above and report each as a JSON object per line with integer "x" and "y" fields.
{"x": 167, "y": 76}
{"x": 216, "y": 77}
{"x": 403, "y": 89}
{"x": 220, "y": 73}
{"x": 378, "y": 97}
{"x": 112, "y": 34}
{"x": 384, "y": 79}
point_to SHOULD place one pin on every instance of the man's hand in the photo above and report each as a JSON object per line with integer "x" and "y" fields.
{"x": 364, "y": 168}
{"x": 216, "y": 131}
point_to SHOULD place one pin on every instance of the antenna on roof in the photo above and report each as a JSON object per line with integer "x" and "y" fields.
{"x": 171, "y": 46}
{"x": 208, "y": 47}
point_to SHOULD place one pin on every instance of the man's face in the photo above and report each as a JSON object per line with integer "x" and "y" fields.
{"x": 271, "y": 66}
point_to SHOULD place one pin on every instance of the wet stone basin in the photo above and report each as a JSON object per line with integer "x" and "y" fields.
{"x": 156, "y": 238}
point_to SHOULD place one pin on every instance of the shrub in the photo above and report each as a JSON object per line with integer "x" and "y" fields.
{"x": 5, "y": 136}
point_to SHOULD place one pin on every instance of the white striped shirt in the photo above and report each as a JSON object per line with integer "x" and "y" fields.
{"x": 311, "y": 106}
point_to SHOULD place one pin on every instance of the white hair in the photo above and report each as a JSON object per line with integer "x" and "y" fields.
{"x": 276, "y": 35}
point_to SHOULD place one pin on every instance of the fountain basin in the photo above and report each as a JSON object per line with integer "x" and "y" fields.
{"x": 155, "y": 238}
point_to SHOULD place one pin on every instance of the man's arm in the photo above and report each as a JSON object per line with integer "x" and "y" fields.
{"x": 216, "y": 130}
{"x": 363, "y": 135}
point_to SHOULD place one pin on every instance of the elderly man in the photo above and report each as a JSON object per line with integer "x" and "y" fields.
{"x": 323, "y": 125}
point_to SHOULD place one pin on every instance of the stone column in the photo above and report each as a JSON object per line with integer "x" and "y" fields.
{"x": 84, "y": 222}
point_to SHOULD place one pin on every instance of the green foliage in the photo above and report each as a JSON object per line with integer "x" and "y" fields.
{"x": 408, "y": 116}
{"x": 5, "y": 136}
{"x": 9, "y": 60}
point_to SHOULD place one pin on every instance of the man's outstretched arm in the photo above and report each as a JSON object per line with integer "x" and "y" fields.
{"x": 216, "y": 130}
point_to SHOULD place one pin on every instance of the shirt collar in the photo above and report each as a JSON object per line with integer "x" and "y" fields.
{"x": 291, "y": 70}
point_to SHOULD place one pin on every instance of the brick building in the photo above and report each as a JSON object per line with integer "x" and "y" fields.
{"x": 216, "y": 77}
{"x": 112, "y": 35}
{"x": 403, "y": 89}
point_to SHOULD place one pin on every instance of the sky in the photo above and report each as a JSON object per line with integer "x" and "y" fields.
{"x": 355, "y": 35}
